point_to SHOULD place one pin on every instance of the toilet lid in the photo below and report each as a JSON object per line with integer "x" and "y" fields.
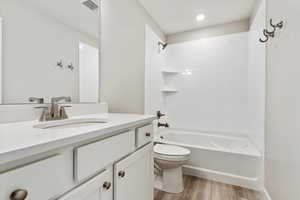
{"x": 171, "y": 150}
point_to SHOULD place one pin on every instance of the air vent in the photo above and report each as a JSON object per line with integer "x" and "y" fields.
{"x": 91, "y": 4}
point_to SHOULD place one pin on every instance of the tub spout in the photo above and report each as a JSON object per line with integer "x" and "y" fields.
{"x": 166, "y": 125}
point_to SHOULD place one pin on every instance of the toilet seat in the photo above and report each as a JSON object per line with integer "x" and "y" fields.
{"x": 171, "y": 152}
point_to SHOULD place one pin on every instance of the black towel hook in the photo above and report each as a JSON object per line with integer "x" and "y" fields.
{"x": 276, "y": 26}
{"x": 269, "y": 34}
{"x": 265, "y": 32}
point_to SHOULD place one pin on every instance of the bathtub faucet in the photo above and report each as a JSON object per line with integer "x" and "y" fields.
{"x": 166, "y": 125}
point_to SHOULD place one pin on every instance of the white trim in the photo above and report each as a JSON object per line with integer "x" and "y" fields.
{"x": 149, "y": 32}
{"x": 1, "y": 60}
{"x": 147, "y": 74}
{"x": 242, "y": 181}
{"x": 266, "y": 195}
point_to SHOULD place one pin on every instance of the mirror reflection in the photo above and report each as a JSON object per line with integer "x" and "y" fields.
{"x": 49, "y": 48}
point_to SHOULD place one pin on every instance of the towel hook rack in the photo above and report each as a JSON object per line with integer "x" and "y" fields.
{"x": 271, "y": 34}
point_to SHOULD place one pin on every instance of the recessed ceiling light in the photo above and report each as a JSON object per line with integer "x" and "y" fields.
{"x": 200, "y": 17}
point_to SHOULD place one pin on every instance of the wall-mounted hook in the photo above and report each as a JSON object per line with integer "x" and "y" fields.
{"x": 267, "y": 36}
{"x": 60, "y": 63}
{"x": 70, "y": 66}
{"x": 269, "y": 33}
{"x": 276, "y": 26}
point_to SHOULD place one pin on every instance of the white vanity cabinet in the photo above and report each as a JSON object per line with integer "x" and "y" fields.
{"x": 111, "y": 168}
{"x": 133, "y": 178}
{"x": 98, "y": 188}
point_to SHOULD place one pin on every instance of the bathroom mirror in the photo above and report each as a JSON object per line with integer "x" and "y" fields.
{"x": 48, "y": 49}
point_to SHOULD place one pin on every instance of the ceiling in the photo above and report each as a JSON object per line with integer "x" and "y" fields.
{"x": 175, "y": 16}
{"x": 71, "y": 13}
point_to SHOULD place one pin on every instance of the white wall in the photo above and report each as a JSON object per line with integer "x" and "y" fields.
{"x": 214, "y": 97}
{"x": 32, "y": 44}
{"x": 257, "y": 79}
{"x": 123, "y": 54}
{"x": 88, "y": 73}
{"x": 283, "y": 97}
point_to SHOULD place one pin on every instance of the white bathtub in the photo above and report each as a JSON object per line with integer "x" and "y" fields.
{"x": 229, "y": 159}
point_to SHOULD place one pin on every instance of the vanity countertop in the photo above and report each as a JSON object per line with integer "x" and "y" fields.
{"x": 19, "y": 140}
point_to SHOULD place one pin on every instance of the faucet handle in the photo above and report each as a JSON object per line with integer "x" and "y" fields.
{"x": 62, "y": 112}
{"x": 166, "y": 125}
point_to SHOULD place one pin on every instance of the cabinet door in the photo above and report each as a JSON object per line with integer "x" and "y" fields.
{"x": 133, "y": 179}
{"x": 98, "y": 188}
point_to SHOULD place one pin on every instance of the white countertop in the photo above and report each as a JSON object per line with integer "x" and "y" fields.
{"x": 19, "y": 140}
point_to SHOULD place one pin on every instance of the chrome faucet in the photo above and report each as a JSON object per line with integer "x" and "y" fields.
{"x": 55, "y": 112}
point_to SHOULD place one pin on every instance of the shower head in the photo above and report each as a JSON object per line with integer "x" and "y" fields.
{"x": 163, "y": 45}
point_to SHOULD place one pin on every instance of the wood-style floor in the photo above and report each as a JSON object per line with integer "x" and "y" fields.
{"x": 201, "y": 189}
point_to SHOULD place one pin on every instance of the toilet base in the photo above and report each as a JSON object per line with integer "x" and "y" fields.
{"x": 171, "y": 181}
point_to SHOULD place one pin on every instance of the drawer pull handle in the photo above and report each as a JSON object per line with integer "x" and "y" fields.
{"x": 19, "y": 194}
{"x": 148, "y": 134}
{"x": 107, "y": 185}
{"x": 122, "y": 174}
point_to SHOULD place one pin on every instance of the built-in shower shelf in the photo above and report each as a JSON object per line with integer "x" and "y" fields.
{"x": 169, "y": 90}
{"x": 169, "y": 72}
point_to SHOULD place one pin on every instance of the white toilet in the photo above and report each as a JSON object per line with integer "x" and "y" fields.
{"x": 169, "y": 159}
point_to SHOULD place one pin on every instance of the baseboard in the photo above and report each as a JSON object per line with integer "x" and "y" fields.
{"x": 246, "y": 182}
{"x": 266, "y": 195}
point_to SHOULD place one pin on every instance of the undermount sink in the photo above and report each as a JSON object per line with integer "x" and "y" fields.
{"x": 70, "y": 122}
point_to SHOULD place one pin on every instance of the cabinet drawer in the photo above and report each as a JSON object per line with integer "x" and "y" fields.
{"x": 144, "y": 135}
{"x": 92, "y": 158}
{"x": 42, "y": 180}
{"x": 98, "y": 188}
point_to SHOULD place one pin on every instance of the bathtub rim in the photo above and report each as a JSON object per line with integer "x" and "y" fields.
{"x": 157, "y": 139}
